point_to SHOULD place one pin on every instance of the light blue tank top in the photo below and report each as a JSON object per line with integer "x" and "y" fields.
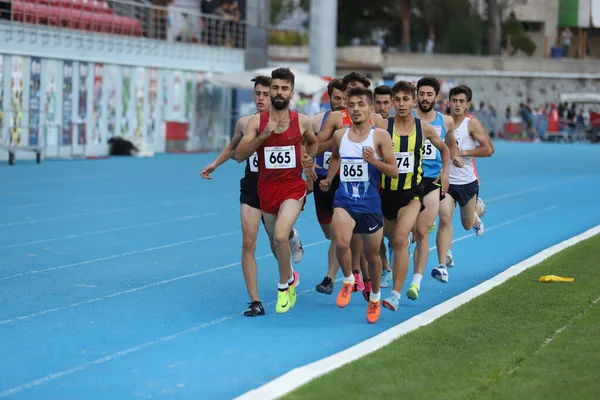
{"x": 432, "y": 158}
{"x": 323, "y": 159}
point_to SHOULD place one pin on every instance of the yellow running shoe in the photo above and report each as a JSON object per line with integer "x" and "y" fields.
{"x": 283, "y": 301}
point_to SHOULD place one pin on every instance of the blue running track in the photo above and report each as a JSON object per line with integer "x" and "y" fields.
{"x": 120, "y": 278}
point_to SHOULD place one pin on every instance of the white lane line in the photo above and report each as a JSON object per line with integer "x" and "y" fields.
{"x": 285, "y": 384}
{"x": 302, "y": 375}
{"x": 81, "y": 367}
{"x": 121, "y": 228}
{"x": 533, "y": 189}
{"x": 69, "y": 216}
{"x": 72, "y": 200}
{"x": 137, "y": 289}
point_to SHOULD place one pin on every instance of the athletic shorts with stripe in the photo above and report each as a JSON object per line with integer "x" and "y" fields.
{"x": 273, "y": 194}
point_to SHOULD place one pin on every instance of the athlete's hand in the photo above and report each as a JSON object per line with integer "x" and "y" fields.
{"x": 271, "y": 126}
{"x": 369, "y": 155}
{"x": 307, "y": 161}
{"x": 209, "y": 169}
{"x": 458, "y": 162}
{"x": 324, "y": 185}
{"x": 443, "y": 181}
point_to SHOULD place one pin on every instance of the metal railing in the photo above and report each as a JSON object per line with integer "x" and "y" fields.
{"x": 128, "y": 18}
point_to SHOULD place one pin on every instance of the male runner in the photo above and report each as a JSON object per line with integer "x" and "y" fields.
{"x": 428, "y": 89}
{"x": 363, "y": 153}
{"x": 250, "y": 213}
{"x": 277, "y": 136}
{"x": 383, "y": 107}
{"x": 464, "y": 186}
{"x": 324, "y": 200}
{"x": 335, "y": 121}
{"x": 402, "y": 197}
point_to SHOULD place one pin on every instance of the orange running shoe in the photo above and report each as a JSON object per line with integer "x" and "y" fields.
{"x": 343, "y": 297}
{"x": 373, "y": 311}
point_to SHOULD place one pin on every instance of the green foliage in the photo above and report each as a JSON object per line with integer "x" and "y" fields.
{"x": 288, "y": 38}
{"x": 518, "y": 36}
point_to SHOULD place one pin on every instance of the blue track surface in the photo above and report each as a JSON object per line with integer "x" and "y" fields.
{"x": 121, "y": 279}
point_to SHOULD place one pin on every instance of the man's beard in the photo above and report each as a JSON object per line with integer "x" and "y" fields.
{"x": 279, "y": 103}
{"x": 425, "y": 110}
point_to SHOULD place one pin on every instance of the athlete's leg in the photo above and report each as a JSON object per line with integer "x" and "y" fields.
{"x": 467, "y": 212}
{"x": 342, "y": 225}
{"x": 421, "y": 234}
{"x": 250, "y": 218}
{"x": 405, "y": 221}
{"x": 326, "y": 286}
{"x": 445, "y": 230}
{"x": 371, "y": 246}
{"x": 356, "y": 248}
{"x": 444, "y": 239}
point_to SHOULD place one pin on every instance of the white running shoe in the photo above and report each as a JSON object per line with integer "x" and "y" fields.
{"x": 482, "y": 205}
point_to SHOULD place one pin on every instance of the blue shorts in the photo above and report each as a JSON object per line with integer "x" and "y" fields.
{"x": 462, "y": 194}
{"x": 366, "y": 223}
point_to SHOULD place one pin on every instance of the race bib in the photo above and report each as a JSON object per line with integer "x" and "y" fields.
{"x": 253, "y": 161}
{"x": 326, "y": 158}
{"x": 405, "y": 161}
{"x": 429, "y": 151}
{"x": 283, "y": 157}
{"x": 354, "y": 170}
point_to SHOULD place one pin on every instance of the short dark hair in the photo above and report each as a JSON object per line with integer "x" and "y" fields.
{"x": 382, "y": 90}
{"x": 404, "y": 87}
{"x": 356, "y": 77}
{"x": 429, "y": 81}
{"x": 461, "y": 89}
{"x": 336, "y": 83}
{"x": 360, "y": 91}
{"x": 261, "y": 80}
{"x": 284, "y": 74}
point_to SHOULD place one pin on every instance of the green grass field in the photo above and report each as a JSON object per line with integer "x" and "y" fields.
{"x": 521, "y": 340}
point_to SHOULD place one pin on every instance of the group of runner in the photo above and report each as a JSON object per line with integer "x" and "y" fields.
{"x": 371, "y": 175}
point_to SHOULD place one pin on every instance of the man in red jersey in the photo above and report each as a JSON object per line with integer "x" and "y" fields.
{"x": 277, "y": 137}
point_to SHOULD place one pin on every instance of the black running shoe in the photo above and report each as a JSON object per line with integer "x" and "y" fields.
{"x": 325, "y": 287}
{"x": 254, "y": 309}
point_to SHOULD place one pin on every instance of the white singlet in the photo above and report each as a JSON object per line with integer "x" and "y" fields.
{"x": 466, "y": 174}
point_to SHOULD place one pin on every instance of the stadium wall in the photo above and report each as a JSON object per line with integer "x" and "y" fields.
{"x": 70, "y": 92}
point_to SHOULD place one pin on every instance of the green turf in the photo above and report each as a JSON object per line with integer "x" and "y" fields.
{"x": 494, "y": 346}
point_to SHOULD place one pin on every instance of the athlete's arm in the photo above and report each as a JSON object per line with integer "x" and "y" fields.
{"x": 384, "y": 145}
{"x": 430, "y": 133}
{"x": 450, "y": 142}
{"x": 310, "y": 140}
{"x": 252, "y": 138}
{"x": 325, "y": 137}
{"x": 486, "y": 135}
{"x": 228, "y": 152}
{"x": 334, "y": 161}
{"x": 476, "y": 132}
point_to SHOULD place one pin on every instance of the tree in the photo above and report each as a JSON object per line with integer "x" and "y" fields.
{"x": 519, "y": 38}
{"x": 495, "y": 11}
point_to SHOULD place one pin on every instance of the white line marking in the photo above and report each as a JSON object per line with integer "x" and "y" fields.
{"x": 129, "y": 253}
{"x": 137, "y": 289}
{"x": 72, "y": 200}
{"x": 534, "y": 189}
{"x": 302, "y": 375}
{"x": 68, "y": 216}
{"x": 287, "y": 382}
{"x": 122, "y": 353}
{"x": 122, "y": 228}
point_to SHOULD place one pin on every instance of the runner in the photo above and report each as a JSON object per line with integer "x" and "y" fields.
{"x": 402, "y": 197}
{"x": 383, "y": 107}
{"x": 335, "y": 121}
{"x": 324, "y": 200}
{"x": 364, "y": 153}
{"x": 464, "y": 186}
{"x": 250, "y": 213}
{"x": 276, "y": 136}
{"x": 428, "y": 89}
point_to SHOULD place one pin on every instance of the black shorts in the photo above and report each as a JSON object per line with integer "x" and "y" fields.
{"x": 324, "y": 200}
{"x": 366, "y": 223}
{"x": 462, "y": 194}
{"x": 249, "y": 192}
{"x": 393, "y": 200}
{"x": 429, "y": 186}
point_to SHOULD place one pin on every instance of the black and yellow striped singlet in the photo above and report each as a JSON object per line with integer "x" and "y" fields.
{"x": 408, "y": 151}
